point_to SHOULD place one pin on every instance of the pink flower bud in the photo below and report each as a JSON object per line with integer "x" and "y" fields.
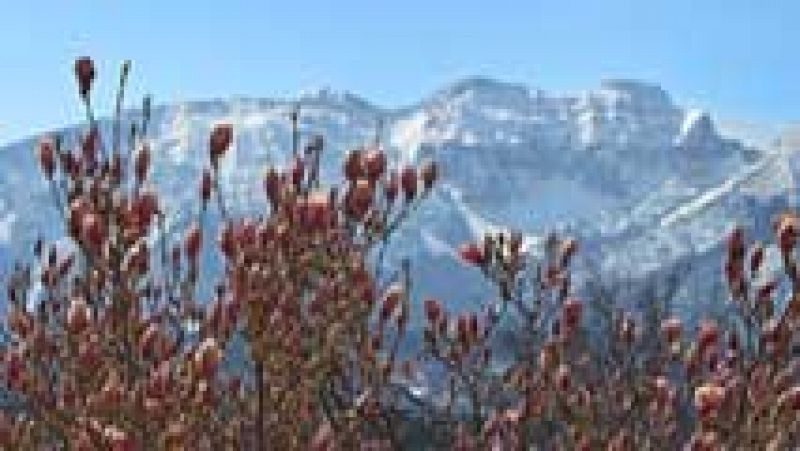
{"x": 84, "y": 74}
{"x": 47, "y": 157}
{"x": 142, "y": 163}
{"x": 219, "y": 141}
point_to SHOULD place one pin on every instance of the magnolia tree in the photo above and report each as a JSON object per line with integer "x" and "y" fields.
{"x": 103, "y": 358}
{"x": 733, "y": 383}
{"x": 321, "y": 332}
{"x": 100, "y": 359}
{"x": 108, "y": 346}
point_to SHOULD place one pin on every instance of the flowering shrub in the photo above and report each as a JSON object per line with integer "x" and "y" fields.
{"x": 109, "y": 347}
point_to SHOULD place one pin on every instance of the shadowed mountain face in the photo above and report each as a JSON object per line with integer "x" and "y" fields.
{"x": 641, "y": 182}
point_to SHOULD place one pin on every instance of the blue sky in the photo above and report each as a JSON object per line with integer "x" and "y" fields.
{"x": 737, "y": 58}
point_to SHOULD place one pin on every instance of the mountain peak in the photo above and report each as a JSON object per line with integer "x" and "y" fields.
{"x": 637, "y": 91}
{"x": 482, "y": 84}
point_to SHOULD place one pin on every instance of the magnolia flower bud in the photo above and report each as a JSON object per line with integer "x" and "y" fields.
{"x": 563, "y": 378}
{"x": 428, "y": 173}
{"x": 736, "y": 244}
{"x": 219, "y": 141}
{"x": 408, "y": 182}
{"x": 319, "y": 210}
{"x": 272, "y": 184}
{"x": 78, "y": 315}
{"x": 671, "y": 329}
{"x": 391, "y": 187}
{"x": 142, "y": 163}
{"x": 297, "y": 170}
{"x": 471, "y": 253}
{"x": 353, "y": 167}
{"x": 47, "y": 157}
{"x": 207, "y": 357}
{"x": 786, "y": 229}
{"x": 84, "y": 74}
{"x": 790, "y": 399}
{"x": 707, "y": 335}
{"x": 571, "y": 312}
{"x": 374, "y": 164}
{"x": 433, "y": 310}
{"x": 192, "y": 243}
{"x": 89, "y": 148}
{"x": 756, "y": 257}
{"x": 391, "y": 300}
{"x": 205, "y": 187}
{"x": 707, "y": 400}
{"x": 360, "y": 197}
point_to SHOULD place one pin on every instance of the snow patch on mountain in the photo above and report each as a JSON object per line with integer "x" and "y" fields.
{"x": 641, "y": 182}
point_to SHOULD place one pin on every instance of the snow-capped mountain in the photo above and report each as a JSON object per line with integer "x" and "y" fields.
{"x": 642, "y": 182}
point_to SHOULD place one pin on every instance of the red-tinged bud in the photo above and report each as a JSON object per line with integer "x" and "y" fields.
{"x": 471, "y": 253}
{"x": 408, "y": 182}
{"x": 571, "y": 312}
{"x": 92, "y": 230}
{"x": 671, "y": 329}
{"x": 707, "y": 400}
{"x": 734, "y": 273}
{"x": 707, "y": 335}
{"x": 78, "y": 316}
{"x": 773, "y": 335}
{"x": 548, "y": 355}
{"x": 584, "y": 443}
{"x": 563, "y": 378}
{"x": 319, "y": 210}
{"x": 473, "y": 327}
{"x": 272, "y": 184}
{"x": 205, "y": 187}
{"x": 786, "y": 227}
{"x": 374, "y": 164}
{"x": 70, "y": 164}
{"x": 116, "y": 168}
{"x": 207, "y": 357}
{"x": 360, "y": 197}
{"x": 15, "y": 366}
{"x": 790, "y": 399}
{"x": 89, "y": 147}
{"x": 766, "y": 291}
{"x": 19, "y": 321}
{"x": 433, "y": 310}
{"x": 138, "y": 259}
{"x": 47, "y": 157}
{"x": 756, "y": 257}
{"x": 323, "y": 439}
{"x": 298, "y": 169}
{"x": 118, "y": 439}
{"x": 84, "y": 74}
{"x": 219, "y": 141}
{"x": 462, "y": 329}
{"x": 142, "y": 163}
{"x": 392, "y": 186}
{"x": 735, "y": 244}
{"x": 193, "y": 242}
{"x": 145, "y": 206}
{"x": 627, "y": 330}
{"x": 662, "y": 391}
{"x": 353, "y": 165}
{"x": 148, "y": 340}
{"x": 391, "y": 300}
{"x": 567, "y": 251}
{"x": 227, "y": 241}
{"x": 429, "y": 173}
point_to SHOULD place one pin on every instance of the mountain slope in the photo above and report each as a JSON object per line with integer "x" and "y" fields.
{"x": 640, "y": 181}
